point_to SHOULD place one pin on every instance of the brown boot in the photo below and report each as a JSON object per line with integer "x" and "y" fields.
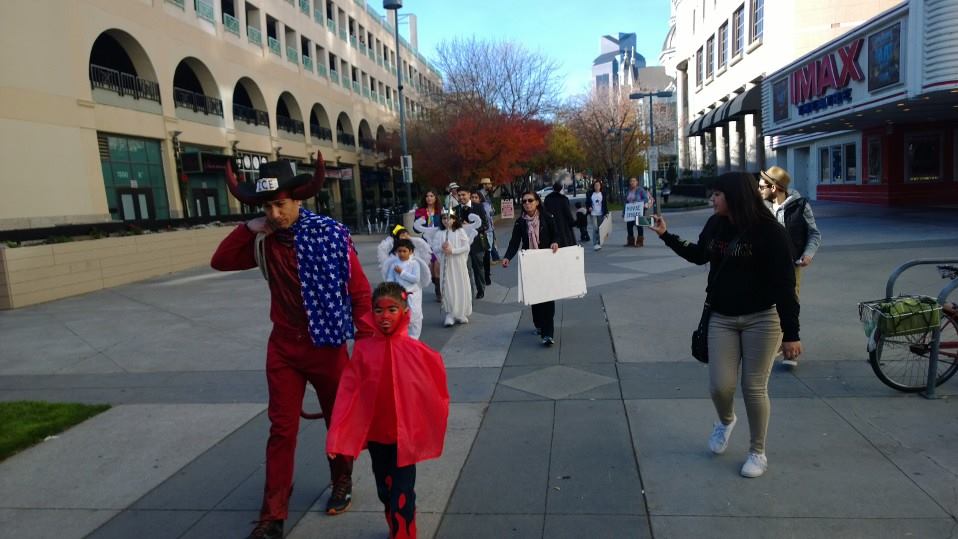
{"x": 629, "y": 242}
{"x": 639, "y": 242}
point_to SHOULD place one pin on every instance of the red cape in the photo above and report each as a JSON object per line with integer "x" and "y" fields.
{"x": 421, "y": 398}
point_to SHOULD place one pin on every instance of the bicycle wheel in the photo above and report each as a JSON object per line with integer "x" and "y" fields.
{"x": 901, "y": 362}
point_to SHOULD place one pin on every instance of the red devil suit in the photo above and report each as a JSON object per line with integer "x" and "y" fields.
{"x": 292, "y": 359}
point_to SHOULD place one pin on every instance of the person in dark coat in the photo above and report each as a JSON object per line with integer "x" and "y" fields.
{"x": 558, "y": 205}
{"x": 535, "y": 228}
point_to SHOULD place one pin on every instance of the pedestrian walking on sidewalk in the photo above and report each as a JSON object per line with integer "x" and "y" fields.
{"x": 582, "y": 222}
{"x": 751, "y": 290}
{"x": 485, "y": 236}
{"x": 411, "y": 272}
{"x": 794, "y": 213}
{"x": 598, "y": 210}
{"x": 557, "y": 204}
{"x": 635, "y": 195}
{"x": 477, "y": 274}
{"x": 301, "y": 254}
{"x": 394, "y": 401}
{"x": 430, "y": 210}
{"x": 535, "y": 228}
{"x": 451, "y": 242}
{"x": 486, "y": 189}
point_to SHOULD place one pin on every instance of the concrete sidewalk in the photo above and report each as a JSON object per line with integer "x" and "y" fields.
{"x": 602, "y": 435}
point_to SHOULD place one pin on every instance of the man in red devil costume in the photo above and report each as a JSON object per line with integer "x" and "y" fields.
{"x": 317, "y": 289}
{"x": 393, "y": 400}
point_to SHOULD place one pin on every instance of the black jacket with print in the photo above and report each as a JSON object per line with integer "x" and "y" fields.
{"x": 759, "y": 274}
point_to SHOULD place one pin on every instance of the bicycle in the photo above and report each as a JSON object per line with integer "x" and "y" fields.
{"x": 913, "y": 335}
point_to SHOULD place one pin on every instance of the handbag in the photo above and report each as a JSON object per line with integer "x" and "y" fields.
{"x": 700, "y": 337}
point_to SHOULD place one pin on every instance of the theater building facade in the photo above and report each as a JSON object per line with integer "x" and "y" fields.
{"x": 872, "y": 116}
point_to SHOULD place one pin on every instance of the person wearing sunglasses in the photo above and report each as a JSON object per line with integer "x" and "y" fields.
{"x": 535, "y": 229}
{"x": 794, "y": 213}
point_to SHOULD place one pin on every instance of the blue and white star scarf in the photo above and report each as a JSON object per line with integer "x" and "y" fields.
{"x": 322, "y": 252}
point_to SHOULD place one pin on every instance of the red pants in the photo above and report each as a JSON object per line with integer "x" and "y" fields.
{"x": 291, "y": 361}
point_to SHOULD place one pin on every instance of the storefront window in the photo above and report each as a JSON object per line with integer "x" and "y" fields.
{"x": 851, "y": 163}
{"x": 823, "y": 175}
{"x": 837, "y": 165}
{"x": 874, "y": 160}
{"x": 923, "y": 158}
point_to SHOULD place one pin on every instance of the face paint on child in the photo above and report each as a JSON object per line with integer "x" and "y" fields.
{"x": 387, "y": 313}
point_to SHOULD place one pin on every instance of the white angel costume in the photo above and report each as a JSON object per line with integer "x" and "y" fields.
{"x": 414, "y": 277}
{"x": 453, "y": 272}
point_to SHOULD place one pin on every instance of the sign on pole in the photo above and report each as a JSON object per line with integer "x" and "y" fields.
{"x": 507, "y": 210}
{"x": 407, "y": 169}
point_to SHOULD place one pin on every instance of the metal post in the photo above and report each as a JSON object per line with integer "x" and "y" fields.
{"x": 402, "y": 115}
{"x": 655, "y": 198}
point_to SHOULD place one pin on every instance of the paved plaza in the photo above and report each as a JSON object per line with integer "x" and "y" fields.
{"x": 602, "y": 435}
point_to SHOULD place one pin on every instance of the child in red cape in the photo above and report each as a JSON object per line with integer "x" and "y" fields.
{"x": 393, "y": 400}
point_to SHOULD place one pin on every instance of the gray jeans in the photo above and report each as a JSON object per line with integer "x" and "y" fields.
{"x": 596, "y": 221}
{"x": 749, "y": 341}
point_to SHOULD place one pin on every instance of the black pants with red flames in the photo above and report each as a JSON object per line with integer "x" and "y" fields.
{"x": 396, "y": 487}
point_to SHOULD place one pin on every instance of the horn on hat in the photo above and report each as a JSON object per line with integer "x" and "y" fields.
{"x": 309, "y": 190}
{"x": 241, "y": 194}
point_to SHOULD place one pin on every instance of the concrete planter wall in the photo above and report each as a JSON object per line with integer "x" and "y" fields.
{"x": 30, "y": 275}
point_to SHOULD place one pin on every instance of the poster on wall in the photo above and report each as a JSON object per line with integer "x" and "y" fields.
{"x": 780, "y": 100}
{"x": 884, "y": 57}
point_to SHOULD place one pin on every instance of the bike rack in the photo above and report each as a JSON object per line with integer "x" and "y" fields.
{"x": 929, "y": 392}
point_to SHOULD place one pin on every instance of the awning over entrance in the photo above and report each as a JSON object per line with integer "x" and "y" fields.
{"x": 749, "y": 102}
{"x": 695, "y": 127}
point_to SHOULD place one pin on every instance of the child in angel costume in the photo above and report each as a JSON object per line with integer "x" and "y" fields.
{"x": 451, "y": 242}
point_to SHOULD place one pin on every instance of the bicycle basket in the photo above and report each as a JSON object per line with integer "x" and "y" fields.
{"x": 902, "y": 315}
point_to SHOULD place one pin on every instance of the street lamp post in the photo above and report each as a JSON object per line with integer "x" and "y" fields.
{"x": 650, "y": 95}
{"x": 406, "y": 159}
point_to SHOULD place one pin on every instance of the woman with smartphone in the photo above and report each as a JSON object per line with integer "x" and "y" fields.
{"x": 751, "y": 289}
{"x": 535, "y": 229}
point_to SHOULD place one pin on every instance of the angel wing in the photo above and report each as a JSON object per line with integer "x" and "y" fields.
{"x": 425, "y": 275}
{"x": 472, "y": 226}
{"x": 382, "y": 252}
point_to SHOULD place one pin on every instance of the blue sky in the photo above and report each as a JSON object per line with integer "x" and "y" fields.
{"x": 566, "y": 30}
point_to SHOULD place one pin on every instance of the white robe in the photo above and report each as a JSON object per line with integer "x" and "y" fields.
{"x": 453, "y": 272}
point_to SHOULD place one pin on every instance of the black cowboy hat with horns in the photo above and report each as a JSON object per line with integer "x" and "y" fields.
{"x": 277, "y": 181}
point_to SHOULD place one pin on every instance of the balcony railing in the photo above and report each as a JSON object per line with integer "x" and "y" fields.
{"x": 231, "y": 24}
{"x": 290, "y": 125}
{"x": 345, "y": 138}
{"x": 308, "y": 63}
{"x": 382, "y": 99}
{"x": 346, "y": 83}
{"x": 366, "y": 92}
{"x": 205, "y": 10}
{"x": 373, "y": 96}
{"x": 371, "y": 54}
{"x": 254, "y": 35}
{"x": 292, "y": 54}
{"x": 124, "y": 84}
{"x": 304, "y": 6}
{"x": 274, "y": 46}
{"x": 197, "y": 102}
{"x": 331, "y": 24}
{"x": 356, "y": 87}
{"x": 334, "y": 76}
{"x": 363, "y": 48}
{"x": 360, "y": 3}
{"x": 367, "y": 144}
{"x": 322, "y": 133}
{"x": 353, "y": 41}
{"x": 343, "y": 35}
{"x": 321, "y": 70}
{"x": 178, "y": 3}
{"x": 318, "y": 15}
{"x": 250, "y": 115}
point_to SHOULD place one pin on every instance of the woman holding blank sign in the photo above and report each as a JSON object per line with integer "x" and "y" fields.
{"x": 535, "y": 229}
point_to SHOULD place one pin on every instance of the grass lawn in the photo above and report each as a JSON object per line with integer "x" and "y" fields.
{"x": 24, "y": 423}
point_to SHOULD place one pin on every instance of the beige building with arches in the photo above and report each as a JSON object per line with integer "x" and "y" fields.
{"x": 128, "y": 110}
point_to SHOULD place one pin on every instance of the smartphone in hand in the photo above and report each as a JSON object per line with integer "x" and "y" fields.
{"x": 645, "y": 220}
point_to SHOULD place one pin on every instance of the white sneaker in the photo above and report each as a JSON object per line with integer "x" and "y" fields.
{"x": 718, "y": 441}
{"x": 449, "y": 321}
{"x": 755, "y": 465}
{"x": 462, "y": 320}
{"x": 596, "y": 247}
